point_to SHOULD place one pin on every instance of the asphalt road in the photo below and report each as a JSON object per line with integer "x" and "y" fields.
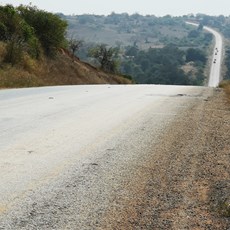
{"x": 215, "y": 70}
{"x": 54, "y": 138}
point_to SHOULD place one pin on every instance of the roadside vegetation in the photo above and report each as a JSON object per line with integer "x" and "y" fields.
{"x": 28, "y": 31}
{"x": 34, "y": 51}
{"x": 28, "y": 36}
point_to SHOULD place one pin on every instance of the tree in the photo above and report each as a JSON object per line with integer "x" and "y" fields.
{"x": 131, "y": 51}
{"x": 49, "y": 28}
{"x": 193, "y": 34}
{"x": 25, "y": 29}
{"x": 227, "y": 64}
{"x": 107, "y": 57}
{"x": 18, "y": 35}
{"x": 74, "y": 45}
{"x": 157, "y": 66}
{"x": 200, "y": 27}
{"x": 195, "y": 55}
{"x": 13, "y": 26}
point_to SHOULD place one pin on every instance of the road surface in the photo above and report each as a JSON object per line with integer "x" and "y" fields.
{"x": 215, "y": 70}
{"x": 67, "y": 153}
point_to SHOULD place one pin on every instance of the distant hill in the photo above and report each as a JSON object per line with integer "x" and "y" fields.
{"x": 128, "y": 30}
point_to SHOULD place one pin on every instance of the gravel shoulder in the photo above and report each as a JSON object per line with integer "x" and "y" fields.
{"x": 185, "y": 184}
{"x": 164, "y": 173}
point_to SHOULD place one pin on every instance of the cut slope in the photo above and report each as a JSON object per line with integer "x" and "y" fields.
{"x": 61, "y": 70}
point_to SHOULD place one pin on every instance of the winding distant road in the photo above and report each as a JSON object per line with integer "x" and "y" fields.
{"x": 215, "y": 70}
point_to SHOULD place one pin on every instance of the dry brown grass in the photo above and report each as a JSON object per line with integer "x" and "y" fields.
{"x": 226, "y": 86}
{"x": 62, "y": 70}
{"x": 12, "y": 77}
{"x": 2, "y": 51}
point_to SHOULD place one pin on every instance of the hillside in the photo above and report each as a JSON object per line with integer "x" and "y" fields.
{"x": 61, "y": 70}
{"x": 127, "y": 30}
{"x": 34, "y": 52}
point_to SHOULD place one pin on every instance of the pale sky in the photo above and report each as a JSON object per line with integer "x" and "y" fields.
{"x": 152, "y": 7}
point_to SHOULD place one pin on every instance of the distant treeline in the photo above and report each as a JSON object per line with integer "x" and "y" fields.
{"x": 164, "y": 65}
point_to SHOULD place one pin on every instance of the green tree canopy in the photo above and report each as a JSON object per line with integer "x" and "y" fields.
{"x": 31, "y": 30}
{"x": 107, "y": 57}
{"x": 157, "y": 66}
{"x": 195, "y": 55}
{"x": 49, "y": 28}
{"x": 13, "y": 26}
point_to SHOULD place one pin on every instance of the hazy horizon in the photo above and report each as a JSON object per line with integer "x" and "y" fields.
{"x": 144, "y": 7}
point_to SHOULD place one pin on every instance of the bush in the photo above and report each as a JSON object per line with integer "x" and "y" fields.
{"x": 13, "y": 52}
{"x": 107, "y": 57}
{"x": 28, "y": 29}
{"x": 195, "y": 55}
{"x": 49, "y": 28}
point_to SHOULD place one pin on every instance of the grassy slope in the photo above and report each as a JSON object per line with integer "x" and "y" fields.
{"x": 63, "y": 70}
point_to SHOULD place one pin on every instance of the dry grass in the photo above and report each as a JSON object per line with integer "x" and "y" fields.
{"x": 2, "y": 51}
{"x": 226, "y": 86}
{"x": 63, "y": 70}
{"x": 12, "y": 77}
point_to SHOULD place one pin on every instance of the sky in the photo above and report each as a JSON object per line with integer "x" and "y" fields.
{"x": 144, "y": 7}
